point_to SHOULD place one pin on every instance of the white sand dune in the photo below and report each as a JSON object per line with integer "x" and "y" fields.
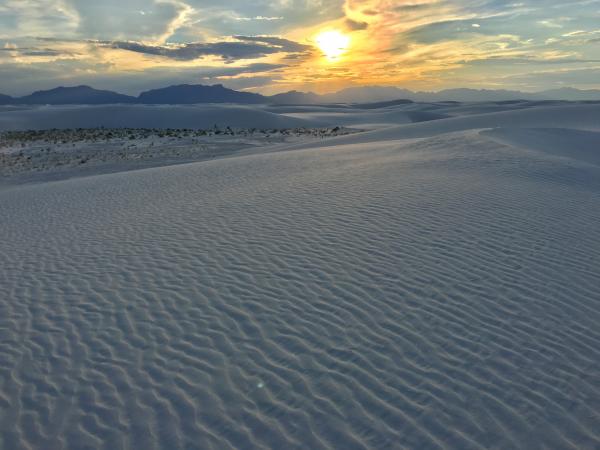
{"x": 578, "y": 116}
{"x": 570, "y": 116}
{"x": 144, "y": 116}
{"x": 576, "y": 144}
{"x": 44, "y": 155}
{"x": 465, "y": 109}
{"x": 311, "y": 109}
{"x": 380, "y": 293}
{"x": 383, "y": 118}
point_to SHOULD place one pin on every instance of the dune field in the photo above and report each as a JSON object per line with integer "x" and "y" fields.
{"x": 428, "y": 280}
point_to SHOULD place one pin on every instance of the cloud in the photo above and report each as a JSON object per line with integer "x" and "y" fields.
{"x": 259, "y": 18}
{"x": 530, "y": 60}
{"x": 35, "y": 17}
{"x": 182, "y": 13}
{"x": 354, "y": 25}
{"x": 148, "y": 20}
{"x": 285, "y": 45}
{"x": 243, "y": 47}
{"x": 416, "y": 6}
{"x": 414, "y": 43}
{"x": 35, "y": 51}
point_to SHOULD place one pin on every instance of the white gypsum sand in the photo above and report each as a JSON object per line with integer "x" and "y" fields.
{"x": 430, "y": 285}
{"x": 58, "y": 153}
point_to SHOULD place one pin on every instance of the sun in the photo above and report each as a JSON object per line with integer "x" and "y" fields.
{"x": 333, "y": 44}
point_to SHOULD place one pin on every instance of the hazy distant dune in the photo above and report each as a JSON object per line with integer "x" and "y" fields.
{"x": 370, "y": 118}
{"x": 291, "y": 109}
{"x": 417, "y": 119}
{"x": 574, "y": 116}
{"x": 145, "y": 116}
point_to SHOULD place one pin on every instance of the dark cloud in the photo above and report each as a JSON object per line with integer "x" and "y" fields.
{"x": 284, "y": 44}
{"x": 353, "y": 25}
{"x": 34, "y": 51}
{"x": 244, "y": 47}
{"x": 417, "y": 6}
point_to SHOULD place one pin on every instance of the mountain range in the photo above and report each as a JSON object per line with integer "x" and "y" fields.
{"x": 193, "y": 94}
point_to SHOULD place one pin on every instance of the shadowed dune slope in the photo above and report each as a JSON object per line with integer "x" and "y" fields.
{"x": 577, "y": 144}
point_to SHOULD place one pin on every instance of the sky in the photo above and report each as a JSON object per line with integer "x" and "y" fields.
{"x": 273, "y": 46}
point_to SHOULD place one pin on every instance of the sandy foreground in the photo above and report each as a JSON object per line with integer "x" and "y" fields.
{"x": 431, "y": 283}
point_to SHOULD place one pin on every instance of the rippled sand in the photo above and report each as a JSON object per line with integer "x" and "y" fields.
{"x": 433, "y": 293}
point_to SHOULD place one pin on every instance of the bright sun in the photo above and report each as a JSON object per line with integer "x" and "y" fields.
{"x": 333, "y": 44}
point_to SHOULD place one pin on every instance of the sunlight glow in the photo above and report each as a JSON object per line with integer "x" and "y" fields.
{"x": 333, "y": 44}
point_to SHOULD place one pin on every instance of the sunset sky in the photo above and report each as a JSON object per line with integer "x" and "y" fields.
{"x": 272, "y": 46}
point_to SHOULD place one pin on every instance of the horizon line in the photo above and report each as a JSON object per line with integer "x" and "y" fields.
{"x": 372, "y": 86}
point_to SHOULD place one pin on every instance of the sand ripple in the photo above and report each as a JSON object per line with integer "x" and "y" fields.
{"x": 438, "y": 294}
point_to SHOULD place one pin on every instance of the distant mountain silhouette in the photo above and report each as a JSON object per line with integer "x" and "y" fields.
{"x": 376, "y": 96}
{"x": 74, "y": 95}
{"x": 295, "y": 98}
{"x": 6, "y": 99}
{"x": 197, "y": 93}
{"x": 368, "y": 94}
{"x": 474, "y": 95}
